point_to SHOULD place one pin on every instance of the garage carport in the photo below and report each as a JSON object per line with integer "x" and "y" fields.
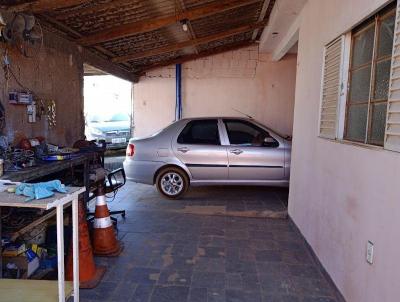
{"x": 217, "y": 244}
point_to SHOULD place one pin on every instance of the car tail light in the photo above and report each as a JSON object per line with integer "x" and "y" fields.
{"x": 130, "y": 150}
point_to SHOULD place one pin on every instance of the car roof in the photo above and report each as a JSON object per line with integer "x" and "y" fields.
{"x": 217, "y": 117}
{"x": 231, "y": 117}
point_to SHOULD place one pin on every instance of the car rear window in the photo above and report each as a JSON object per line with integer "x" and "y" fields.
{"x": 200, "y": 132}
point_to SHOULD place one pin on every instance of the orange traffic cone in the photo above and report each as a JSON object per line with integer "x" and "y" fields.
{"x": 89, "y": 274}
{"x": 105, "y": 242}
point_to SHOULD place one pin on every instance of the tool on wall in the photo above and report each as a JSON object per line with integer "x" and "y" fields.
{"x": 31, "y": 111}
{"x": 2, "y": 117}
{"x": 20, "y": 98}
{"x": 24, "y": 98}
{"x": 51, "y": 113}
{"x": 41, "y": 110}
{"x": 2, "y": 24}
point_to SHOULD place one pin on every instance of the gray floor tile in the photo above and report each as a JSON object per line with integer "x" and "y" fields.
{"x": 171, "y": 256}
{"x": 268, "y": 256}
{"x": 142, "y": 293}
{"x": 240, "y": 266}
{"x": 175, "y": 277}
{"x": 216, "y": 295}
{"x": 142, "y": 275}
{"x": 208, "y": 279}
{"x": 318, "y": 299}
{"x": 242, "y": 296}
{"x": 280, "y": 298}
{"x": 313, "y": 287}
{"x": 205, "y": 264}
{"x": 125, "y": 290}
{"x": 170, "y": 293}
{"x": 197, "y": 294}
{"x": 306, "y": 271}
{"x": 233, "y": 281}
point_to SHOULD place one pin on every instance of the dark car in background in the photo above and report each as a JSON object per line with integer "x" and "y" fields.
{"x": 114, "y": 129}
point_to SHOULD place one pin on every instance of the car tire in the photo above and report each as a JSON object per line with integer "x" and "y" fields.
{"x": 172, "y": 182}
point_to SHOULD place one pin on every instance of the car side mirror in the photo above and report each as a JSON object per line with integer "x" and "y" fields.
{"x": 270, "y": 142}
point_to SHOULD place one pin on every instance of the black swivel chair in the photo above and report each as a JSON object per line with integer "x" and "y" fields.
{"x": 115, "y": 180}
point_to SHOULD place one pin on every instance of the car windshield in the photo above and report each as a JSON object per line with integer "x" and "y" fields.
{"x": 94, "y": 119}
{"x": 270, "y": 130}
{"x": 119, "y": 117}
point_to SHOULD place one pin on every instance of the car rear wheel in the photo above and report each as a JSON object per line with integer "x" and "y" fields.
{"x": 172, "y": 183}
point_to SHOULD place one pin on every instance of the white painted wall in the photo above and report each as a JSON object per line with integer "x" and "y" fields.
{"x": 106, "y": 95}
{"x": 214, "y": 86}
{"x": 342, "y": 195}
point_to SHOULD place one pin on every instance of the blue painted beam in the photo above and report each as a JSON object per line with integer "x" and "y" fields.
{"x": 178, "y": 105}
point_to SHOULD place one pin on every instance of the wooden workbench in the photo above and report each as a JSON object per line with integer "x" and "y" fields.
{"x": 44, "y": 168}
{"x": 28, "y": 290}
{"x": 31, "y": 290}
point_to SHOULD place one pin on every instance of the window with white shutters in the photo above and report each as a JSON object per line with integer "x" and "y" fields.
{"x": 392, "y": 133}
{"x": 369, "y": 77}
{"x": 331, "y": 89}
{"x": 366, "y": 61}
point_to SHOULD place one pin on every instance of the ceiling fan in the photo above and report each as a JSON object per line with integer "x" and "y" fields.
{"x": 24, "y": 32}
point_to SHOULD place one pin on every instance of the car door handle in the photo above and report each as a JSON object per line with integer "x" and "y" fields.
{"x": 236, "y": 151}
{"x": 183, "y": 149}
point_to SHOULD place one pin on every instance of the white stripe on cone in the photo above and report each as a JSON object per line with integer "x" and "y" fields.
{"x": 101, "y": 200}
{"x": 102, "y": 223}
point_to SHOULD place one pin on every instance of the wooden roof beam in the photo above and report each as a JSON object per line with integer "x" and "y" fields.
{"x": 261, "y": 17}
{"x": 107, "y": 66}
{"x": 147, "y": 25}
{"x": 96, "y": 7}
{"x": 93, "y": 59}
{"x": 189, "y": 43}
{"x": 40, "y": 6}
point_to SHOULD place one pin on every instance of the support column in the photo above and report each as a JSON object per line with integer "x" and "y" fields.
{"x": 178, "y": 105}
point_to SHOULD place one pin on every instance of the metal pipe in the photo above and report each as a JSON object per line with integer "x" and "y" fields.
{"x": 178, "y": 104}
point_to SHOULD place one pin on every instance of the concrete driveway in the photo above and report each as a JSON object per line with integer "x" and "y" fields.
{"x": 174, "y": 254}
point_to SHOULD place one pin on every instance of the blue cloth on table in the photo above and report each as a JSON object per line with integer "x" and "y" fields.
{"x": 40, "y": 190}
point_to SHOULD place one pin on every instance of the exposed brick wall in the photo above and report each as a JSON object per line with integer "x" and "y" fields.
{"x": 240, "y": 63}
{"x": 219, "y": 85}
{"x": 56, "y": 74}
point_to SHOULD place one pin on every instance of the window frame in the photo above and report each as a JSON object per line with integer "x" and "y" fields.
{"x": 256, "y": 127}
{"x": 375, "y": 21}
{"x": 220, "y": 138}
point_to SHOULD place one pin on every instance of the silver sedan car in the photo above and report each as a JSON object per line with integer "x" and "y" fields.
{"x": 209, "y": 151}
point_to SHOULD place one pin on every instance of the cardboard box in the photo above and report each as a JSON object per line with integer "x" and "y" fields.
{"x": 23, "y": 264}
{"x": 14, "y": 250}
